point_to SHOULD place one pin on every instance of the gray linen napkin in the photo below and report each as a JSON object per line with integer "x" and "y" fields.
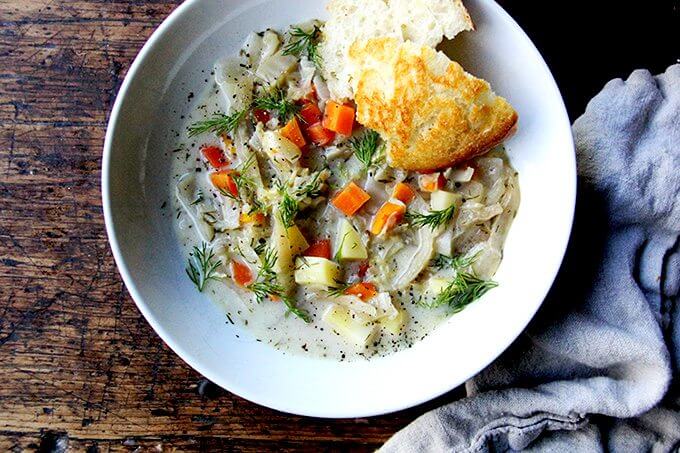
{"x": 593, "y": 371}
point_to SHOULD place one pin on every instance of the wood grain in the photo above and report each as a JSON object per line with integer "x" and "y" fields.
{"x": 81, "y": 367}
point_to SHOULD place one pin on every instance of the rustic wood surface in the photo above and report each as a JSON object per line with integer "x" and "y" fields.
{"x": 80, "y": 367}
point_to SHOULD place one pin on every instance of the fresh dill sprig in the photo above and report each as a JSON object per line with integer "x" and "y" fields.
{"x": 264, "y": 289}
{"x": 312, "y": 189}
{"x": 202, "y": 266}
{"x": 295, "y": 310}
{"x": 276, "y": 101}
{"x": 288, "y": 208}
{"x": 462, "y": 291}
{"x": 245, "y": 186}
{"x": 304, "y": 43}
{"x": 433, "y": 219}
{"x": 269, "y": 259}
{"x": 366, "y": 148}
{"x": 219, "y": 124}
{"x": 453, "y": 262}
{"x": 266, "y": 285}
{"x": 339, "y": 289}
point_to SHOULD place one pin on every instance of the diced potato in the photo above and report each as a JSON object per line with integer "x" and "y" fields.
{"x": 349, "y": 242}
{"x": 441, "y": 200}
{"x": 354, "y": 328}
{"x": 277, "y": 146}
{"x": 436, "y": 285}
{"x": 296, "y": 241}
{"x": 284, "y": 250}
{"x": 315, "y": 271}
{"x": 395, "y": 324}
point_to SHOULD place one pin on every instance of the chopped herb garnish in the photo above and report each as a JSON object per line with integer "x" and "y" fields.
{"x": 276, "y": 101}
{"x": 312, "y": 189}
{"x": 202, "y": 266}
{"x": 433, "y": 219}
{"x": 462, "y": 291}
{"x": 245, "y": 186}
{"x": 455, "y": 262}
{"x": 295, "y": 310}
{"x": 264, "y": 289}
{"x": 339, "y": 289}
{"x": 219, "y": 124}
{"x": 266, "y": 285}
{"x": 366, "y": 148}
{"x": 304, "y": 43}
{"x": 288, "y": 208}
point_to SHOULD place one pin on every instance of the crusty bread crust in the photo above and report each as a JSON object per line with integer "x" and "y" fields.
{"x": 424, "y": 22}
{"x": 430, "y": 112}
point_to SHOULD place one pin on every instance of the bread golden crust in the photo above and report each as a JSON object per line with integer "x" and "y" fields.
{"x": 430, "y": 112}
{"x": 424, "y": 22}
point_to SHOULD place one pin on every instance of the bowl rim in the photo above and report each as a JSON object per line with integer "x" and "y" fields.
{"x": 112, "y": 126}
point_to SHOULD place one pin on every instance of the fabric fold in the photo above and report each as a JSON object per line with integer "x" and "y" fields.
{"x": 593, "y": 370}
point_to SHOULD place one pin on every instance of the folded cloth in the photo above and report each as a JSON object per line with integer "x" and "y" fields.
{"x": 594, "y": 369}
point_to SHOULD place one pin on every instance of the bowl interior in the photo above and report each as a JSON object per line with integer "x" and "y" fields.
{"x": 142, "y": 131}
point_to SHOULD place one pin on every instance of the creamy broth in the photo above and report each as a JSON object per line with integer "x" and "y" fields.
{"x": 409, "y": 264}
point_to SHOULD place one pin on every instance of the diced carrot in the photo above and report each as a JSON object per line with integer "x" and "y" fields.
{"x": 319, "y": 135}
{"x": 431, "y": 182}
{"x": 215, "y": 156}
{"x": 262, "y": 116}
{"x": 320, "y": 248}
{"x": 256, "y": 218}
{"x": 310, "y": 113}
{"x": 351, "y": 199}
{"x": 389, "y": 214}
{"x": 339, "y": 118}
{"x": 403, "y": 193}
{"x": 223, "y": 180}
{"x": 241, "y": 273}
{"x": 363, "y": 290}
{"x": 363, "y": 268}
{"x": 292, "y": 132}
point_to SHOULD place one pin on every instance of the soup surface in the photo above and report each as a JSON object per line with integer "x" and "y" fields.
{"x": 293, "y": 220}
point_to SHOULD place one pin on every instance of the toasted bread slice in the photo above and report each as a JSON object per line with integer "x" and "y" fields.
{"x": 420, "y": 21}
{"x": 430, "y": 112}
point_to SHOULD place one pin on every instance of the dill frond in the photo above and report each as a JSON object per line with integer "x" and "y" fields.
{"x": 312, "y": 189}
{"x": 457, "y": 262}
{"x": 433, "y": 219}
{"x": 462, "y": 291}
{"x": 366, "y": 148}
{"x": 288, "y": 208}
{"x": 276, "y": 101}
{"x": 266, "y": 285}
{"x": 202, "y": 266}
{"x": 339, "y": 289}
{"x": 219, "y": 124}
{"x": 304, "y": 43}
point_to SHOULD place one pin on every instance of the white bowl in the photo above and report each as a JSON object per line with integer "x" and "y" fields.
{"x": 136, "y": 174}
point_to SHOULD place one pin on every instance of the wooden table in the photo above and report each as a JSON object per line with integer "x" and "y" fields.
{"x": 80, "y": 366}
